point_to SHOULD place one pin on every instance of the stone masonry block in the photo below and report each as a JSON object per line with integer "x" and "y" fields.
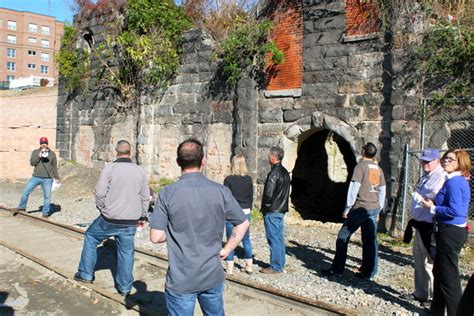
{"x": 270, "y": 116}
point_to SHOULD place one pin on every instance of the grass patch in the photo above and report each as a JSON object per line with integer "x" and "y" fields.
{"x": 467, "y": 254}
{"x": 256, "y": 215}
{"x": 158, "y": 185}
{"x": 389, "y": 241}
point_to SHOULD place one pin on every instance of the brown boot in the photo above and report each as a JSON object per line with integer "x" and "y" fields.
{"x": 248, "y": 266}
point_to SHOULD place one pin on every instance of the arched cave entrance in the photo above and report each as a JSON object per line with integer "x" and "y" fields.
{"x": 321, "y": 175}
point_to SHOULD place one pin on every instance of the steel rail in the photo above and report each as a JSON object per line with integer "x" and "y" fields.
{"x": 255, "y": 289}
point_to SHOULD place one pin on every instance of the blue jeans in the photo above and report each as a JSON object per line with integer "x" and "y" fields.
{"x": 274, "y": 232}
{"x": 124, "y": 238}
{"x": 182, "y": 304}
{"x": 46, "y": 184}
{"x": 367, "y": 220}
{"x": 245, "y": 240}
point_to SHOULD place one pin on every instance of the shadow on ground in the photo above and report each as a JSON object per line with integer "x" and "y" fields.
{"x": 320, "y": 260}
{"x": 5, "y": 310}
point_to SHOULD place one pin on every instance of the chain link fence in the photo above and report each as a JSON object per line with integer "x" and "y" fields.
{"x": 442, "y": 127}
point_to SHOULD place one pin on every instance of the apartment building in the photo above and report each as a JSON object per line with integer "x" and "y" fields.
{"x": 28, "y": 44}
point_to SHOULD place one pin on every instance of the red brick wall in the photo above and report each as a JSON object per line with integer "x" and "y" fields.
{"x": 361, "y": 17}
{"x": 288, "y": 36}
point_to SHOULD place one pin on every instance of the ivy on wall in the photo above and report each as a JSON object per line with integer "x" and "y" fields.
{"x": 444, "y": 61}
{"x": 443, "y": 52}
{"x": 73, "y": 63}
{"x": 141, "y": 45}
{"x": 247, "y": 45}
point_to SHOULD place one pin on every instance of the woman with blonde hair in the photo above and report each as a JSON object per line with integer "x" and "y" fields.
{"x": 450, "y": 209}
{"x": 241, "y": 186}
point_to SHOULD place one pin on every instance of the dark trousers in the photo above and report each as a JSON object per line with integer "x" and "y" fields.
{"x": 447, "y": 283}
{"x": 367, "y": 220}
{"x": 466, "y": 306}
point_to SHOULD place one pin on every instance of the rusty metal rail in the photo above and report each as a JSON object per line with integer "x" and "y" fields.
{"x": 280, "y": 297}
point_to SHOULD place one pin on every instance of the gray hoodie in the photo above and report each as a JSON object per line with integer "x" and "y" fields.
{"x": 122, "y": 194}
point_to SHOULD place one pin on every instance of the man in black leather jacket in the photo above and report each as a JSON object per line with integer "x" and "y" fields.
{"x": 274, "y": 206}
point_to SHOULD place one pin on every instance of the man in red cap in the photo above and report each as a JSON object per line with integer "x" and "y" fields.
{"x": 46, "y": 169}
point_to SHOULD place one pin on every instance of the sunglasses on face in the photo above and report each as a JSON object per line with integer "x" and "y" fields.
{"x": 449, "y": 159}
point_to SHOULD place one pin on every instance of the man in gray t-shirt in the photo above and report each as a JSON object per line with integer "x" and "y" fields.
{"x": 190, "y": 215}
{"x": 365, "y": 199}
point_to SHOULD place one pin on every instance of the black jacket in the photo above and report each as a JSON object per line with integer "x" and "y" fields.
{"x": 276, "y": 190}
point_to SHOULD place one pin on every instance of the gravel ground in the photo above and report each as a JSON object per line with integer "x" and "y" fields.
{"x": 310, "y": 247}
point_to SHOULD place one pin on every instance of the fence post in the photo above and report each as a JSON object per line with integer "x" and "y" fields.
{"x": 422, "y": 127}
{"x": 405, "y": 183}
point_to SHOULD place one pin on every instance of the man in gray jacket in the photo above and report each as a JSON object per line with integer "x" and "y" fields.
{"x": 122, "y": 197}
{"x": 46, "y": 169}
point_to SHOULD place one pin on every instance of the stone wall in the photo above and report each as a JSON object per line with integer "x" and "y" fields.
{"x": 348, "y": 97}
{"x": 24, "y": 118}
{"x": 343, "y": 93}
{"x": 193, "y": 106}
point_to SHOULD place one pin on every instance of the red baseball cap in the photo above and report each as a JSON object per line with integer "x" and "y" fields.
{"x": 43, "y": 140}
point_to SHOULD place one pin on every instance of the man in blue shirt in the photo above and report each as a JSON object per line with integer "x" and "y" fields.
{"x": 190, "y": 215}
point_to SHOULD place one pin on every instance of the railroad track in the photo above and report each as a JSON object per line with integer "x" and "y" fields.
{"x": 57, "y": 247}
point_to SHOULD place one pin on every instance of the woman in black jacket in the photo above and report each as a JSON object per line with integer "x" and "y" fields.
{"x": 241, "y": 186}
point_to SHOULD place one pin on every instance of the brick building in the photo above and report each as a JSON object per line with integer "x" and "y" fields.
{"x": 28, "y": 44}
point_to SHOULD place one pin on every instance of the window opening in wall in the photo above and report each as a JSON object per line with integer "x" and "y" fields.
{"x": 45, "y": 43}
{"x": 32, "y": 52}
{"x": 11, "y": 52}
{"x": 44, "y": 57}
{"x": 31, "y": 66}
{"x": 44, "y": 69}
{"x": 11, "y": 25}
{"x": 321, "y": 176}
{"x": 31, "y": 40}
{"x": 10, "y": 77}
{"x": 33, "y": 28}
{"x": 11, "y": 39}
{"x": 11, "y": 66}
{"x": 87, "y": 40}
{"x": 45, "y": 29}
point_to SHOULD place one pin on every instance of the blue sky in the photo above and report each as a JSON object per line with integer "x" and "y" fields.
{"x": 61, "y": 9}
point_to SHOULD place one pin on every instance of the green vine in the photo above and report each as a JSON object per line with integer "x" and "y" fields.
{"x": 444, "y": 61}
{"x": 140, "y": 48}
{"x": 73, "y": 63}
{"x": 247, "y": 45}
{"x": 443, "y": 53}
{"x": 151, "y": 41}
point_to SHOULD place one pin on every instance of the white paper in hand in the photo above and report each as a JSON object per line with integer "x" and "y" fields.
{"x": 56, "y": 185}
{"x": 417, "y": 197}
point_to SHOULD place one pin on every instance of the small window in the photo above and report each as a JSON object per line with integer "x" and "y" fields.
{"x": 44, "y": 57}
{"x": 45, "y": 29}
{"x": 33, "y": 28}
{"x": 45, "y": 43}
{"x": 32, "y": 52}
{"x": 11, "y": 25}
{"x": 31, "y": 66}
{"x": 10, "y": 77}
{"x": 11, "y": 52}
{"x": 11, "y": 39}
{"x": 31, "y": 40}
{"x": 44, "y": 69}
{"x": 11, "y": 66}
